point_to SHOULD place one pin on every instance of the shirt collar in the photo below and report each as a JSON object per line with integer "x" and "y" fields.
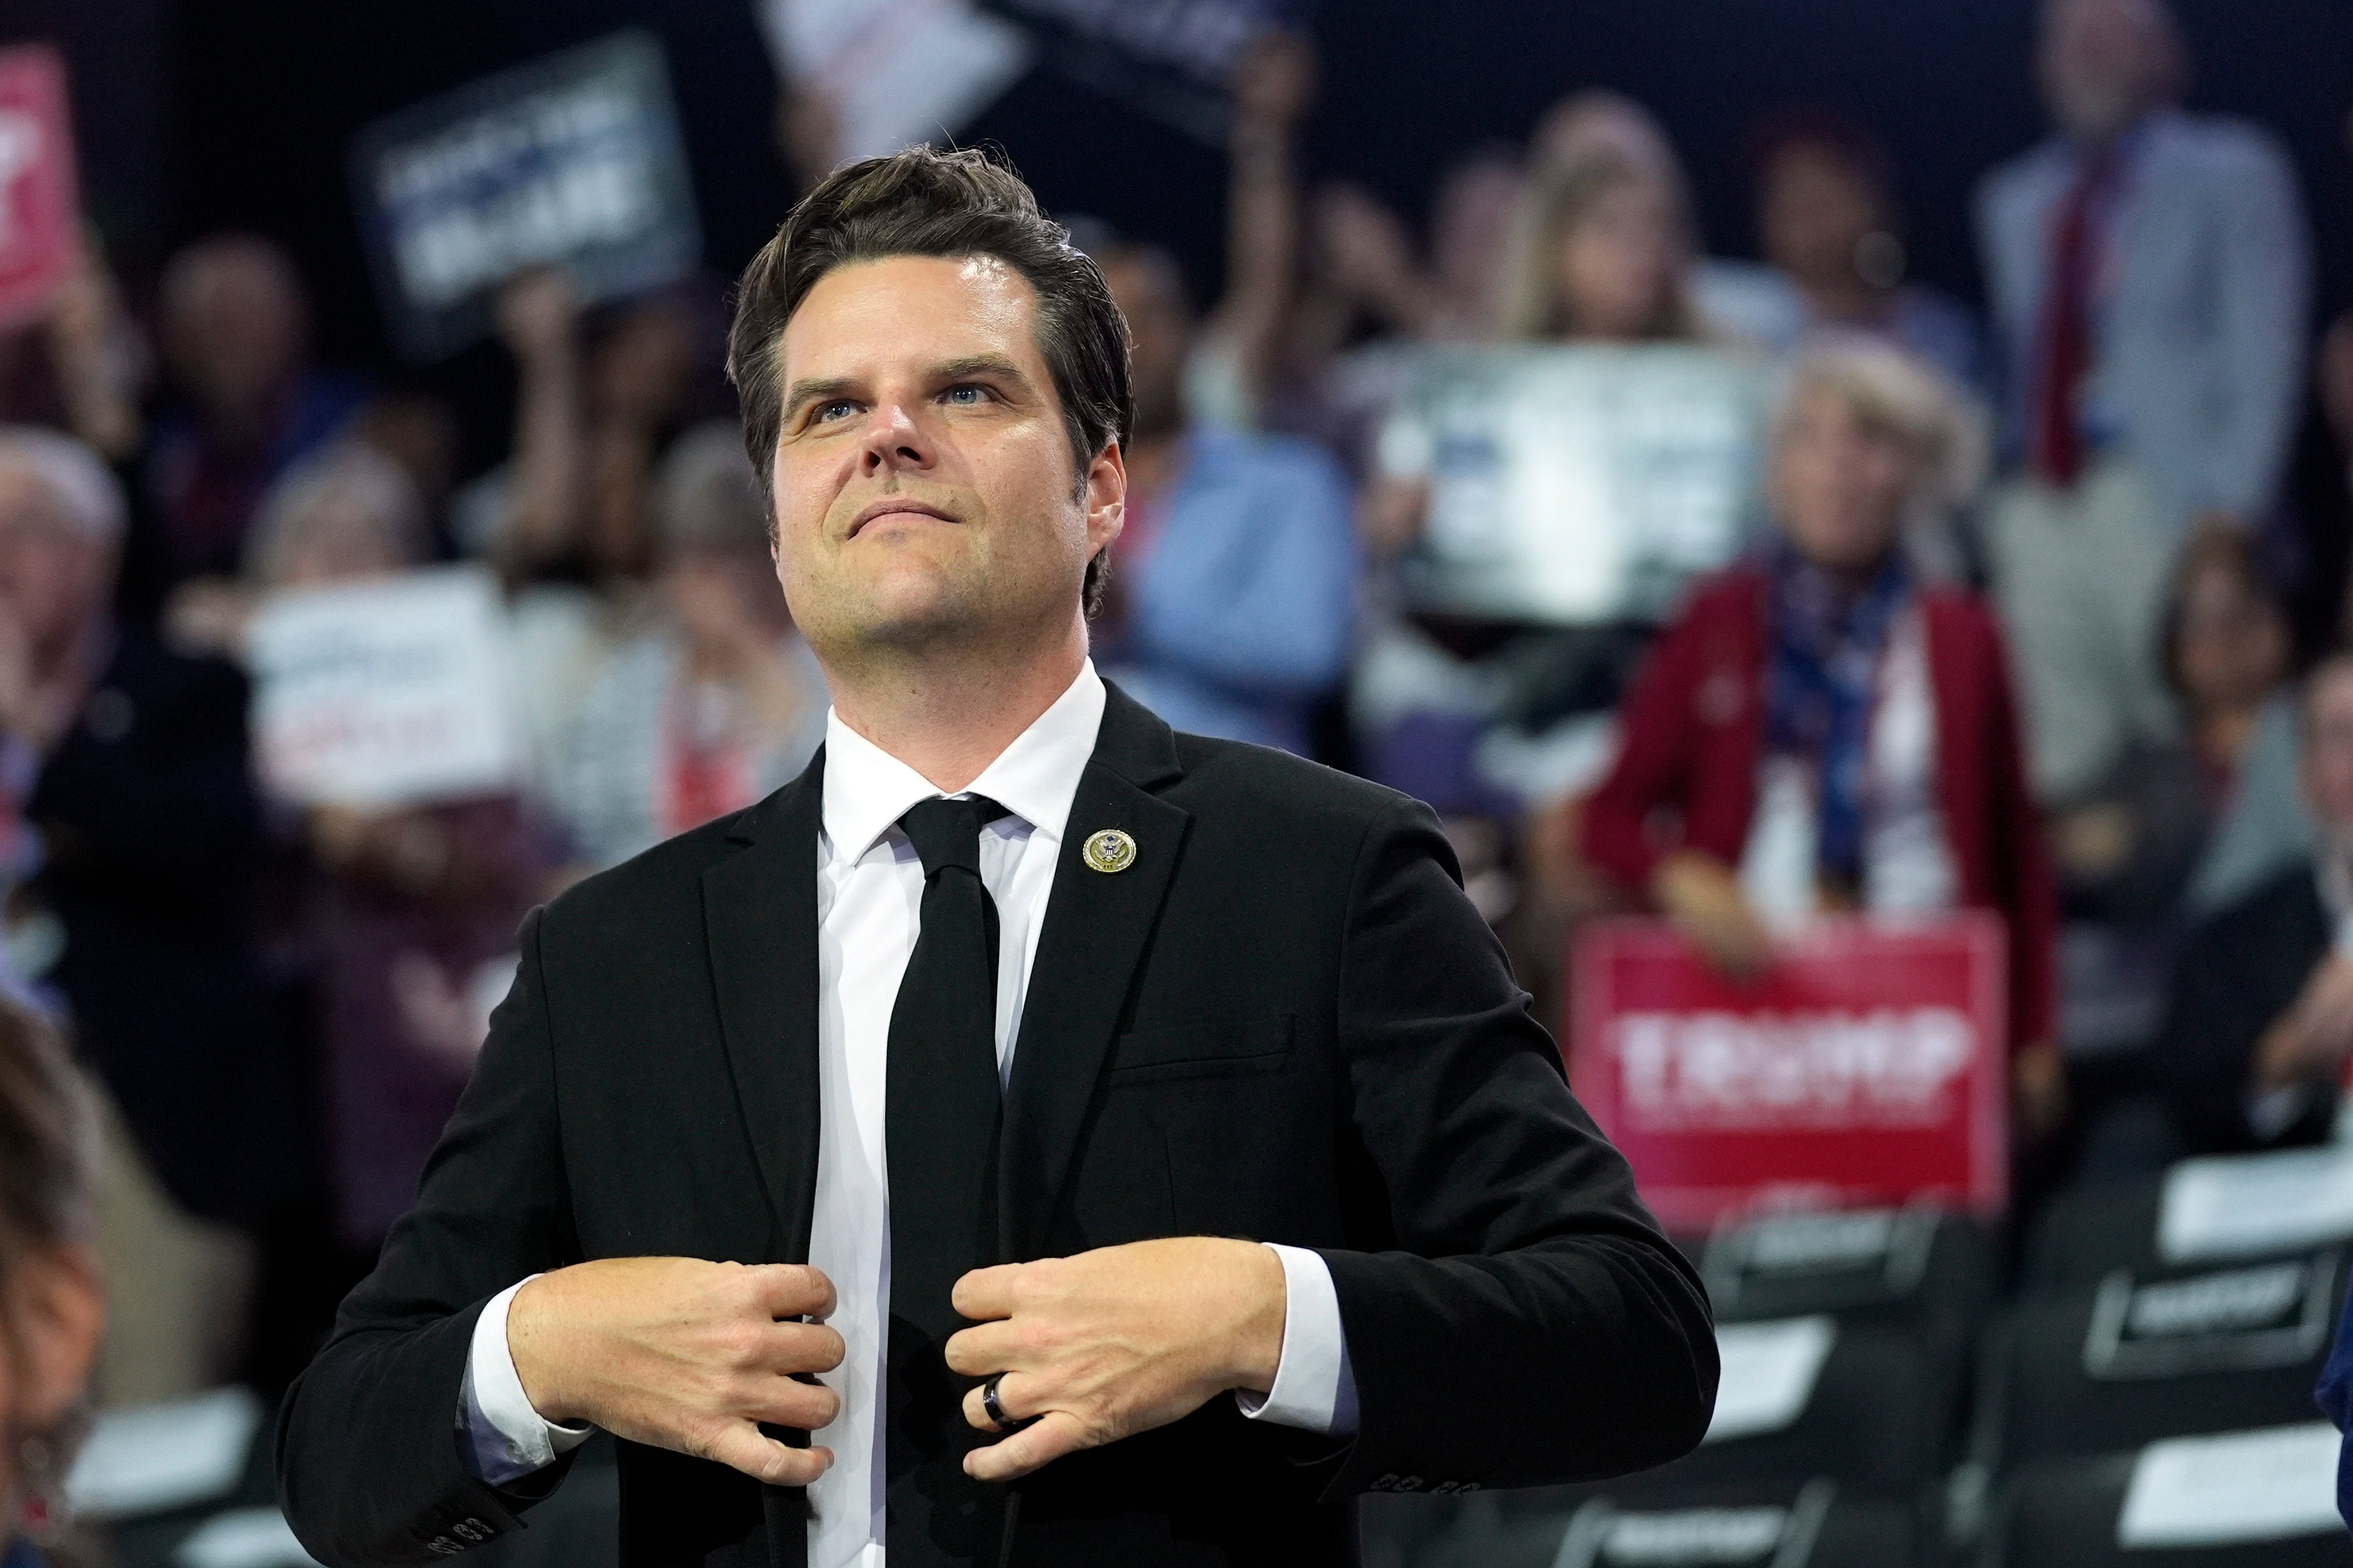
{"x": 867, "y": 789}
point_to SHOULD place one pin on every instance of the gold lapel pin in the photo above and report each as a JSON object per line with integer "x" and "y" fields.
{"x": 1108, "y": 851}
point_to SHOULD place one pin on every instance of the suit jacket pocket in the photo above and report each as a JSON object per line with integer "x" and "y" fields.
{"x": 1201, "y": 1050}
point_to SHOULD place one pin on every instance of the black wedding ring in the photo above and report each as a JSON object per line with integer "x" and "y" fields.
{"x": 994, "y": 1410}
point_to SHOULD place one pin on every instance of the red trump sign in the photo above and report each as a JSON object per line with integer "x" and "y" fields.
{"x": 1867, "y": 1067}
{"x": 39, "y": 210}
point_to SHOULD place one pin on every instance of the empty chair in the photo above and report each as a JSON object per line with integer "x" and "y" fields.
{"x": 1900, "y": 1266}
{"x": 1796, "y": 1524}
{"x": 2161, "y": 1351}
{"x": 1923, "y": 1271}
{"x": 1803, "y": 1397}
{"x": 2225, "y": 1209}
{"x": 2085, "y": 1234}
{"x": 2252, "y": 1500}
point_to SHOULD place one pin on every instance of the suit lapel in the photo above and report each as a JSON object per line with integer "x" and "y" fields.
{"x": 759, "y": 915}
{"x": 1097, "y": 927}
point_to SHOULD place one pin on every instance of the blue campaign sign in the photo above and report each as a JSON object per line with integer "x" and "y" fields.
{"x": 573, "y": 161}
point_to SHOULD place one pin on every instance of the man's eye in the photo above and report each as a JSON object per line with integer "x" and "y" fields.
{"x": 839, "y": 408}
{"x": 966, "y": 395}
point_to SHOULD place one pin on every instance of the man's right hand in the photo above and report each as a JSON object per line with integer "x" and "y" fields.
{"x": 683, "y": 1354}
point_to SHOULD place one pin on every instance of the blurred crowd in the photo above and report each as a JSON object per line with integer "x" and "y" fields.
{"x": 2039, "y": 613}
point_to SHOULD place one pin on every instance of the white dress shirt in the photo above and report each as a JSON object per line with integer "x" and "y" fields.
{"x": 869, "y": 902}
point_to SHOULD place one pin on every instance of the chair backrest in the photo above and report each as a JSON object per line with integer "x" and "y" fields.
{"x": 2161, "y": 1351}
{"x": 2206, "y": 1211}
{"x": 2253, "y": 1500}
{"x": 1901, "y": 1267}
{"x": 1810, "y": 1523}
{"x": 2084, "y": 1234}
{"x": 1871, "y": 1412}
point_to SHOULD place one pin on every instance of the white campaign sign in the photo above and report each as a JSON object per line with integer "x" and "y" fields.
{"x": 1575, "y": 485}
{"x": 2242, "y": 1205}
{"x": 898, "y": 71}
{"x": 2244, "y": 1485}
{"x": 1769, "y": 1371}
{"x": 391, "y": 693}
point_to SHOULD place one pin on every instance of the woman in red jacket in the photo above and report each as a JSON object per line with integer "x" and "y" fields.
{"x": 1824, "y": 730}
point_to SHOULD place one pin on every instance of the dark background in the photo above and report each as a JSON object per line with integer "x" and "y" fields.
{"x": 198, "y": 114}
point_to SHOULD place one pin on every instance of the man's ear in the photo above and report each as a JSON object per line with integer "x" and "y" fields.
{"x": 1106, "y": 498}
{"x": 59, "y": 1311}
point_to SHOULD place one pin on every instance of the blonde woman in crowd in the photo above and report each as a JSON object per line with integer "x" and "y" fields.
{"x": 1832, "y": 728}
{"x": 1602, "y": 253}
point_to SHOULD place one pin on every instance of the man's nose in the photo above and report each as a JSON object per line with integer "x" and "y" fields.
{"x": 895, "y": 439}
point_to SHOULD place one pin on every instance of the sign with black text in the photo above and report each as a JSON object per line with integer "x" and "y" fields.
{"x": 1170, "y": 59}
{"x": 573, "y": 161}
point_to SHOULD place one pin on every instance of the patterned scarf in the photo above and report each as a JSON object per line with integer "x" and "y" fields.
{"x": 1824, "y": 639}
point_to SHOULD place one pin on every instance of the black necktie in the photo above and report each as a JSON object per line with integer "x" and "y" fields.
{"x": 940, "y": 1125}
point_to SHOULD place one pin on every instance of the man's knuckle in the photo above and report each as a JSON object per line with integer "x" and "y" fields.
{"x": 810, "y": 1287}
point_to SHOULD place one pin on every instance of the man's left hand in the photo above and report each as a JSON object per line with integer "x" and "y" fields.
{"x": 1115, "y": 1342}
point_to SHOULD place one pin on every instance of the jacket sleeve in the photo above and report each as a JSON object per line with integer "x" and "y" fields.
{"x": 1653, "y": 762}
{"x": 369, "y": 1469}
{"x": 1533, "y": 1325}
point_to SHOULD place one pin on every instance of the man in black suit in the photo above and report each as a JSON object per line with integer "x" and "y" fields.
{"x": 2260, "y": 1022}
{"x": 1127, "y": 996}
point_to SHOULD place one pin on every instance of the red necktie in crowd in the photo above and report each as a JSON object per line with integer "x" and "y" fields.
{"x": 2066, "y": 337}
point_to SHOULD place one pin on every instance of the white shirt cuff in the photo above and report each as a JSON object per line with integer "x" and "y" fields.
{"x": 505, "y": 1438}
{"x": 1315, "y": 1387}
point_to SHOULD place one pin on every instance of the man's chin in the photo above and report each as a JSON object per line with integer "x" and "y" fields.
{"x": 906, "y": 617}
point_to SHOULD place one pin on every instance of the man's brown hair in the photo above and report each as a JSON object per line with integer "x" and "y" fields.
{"x": 924, "y": 201}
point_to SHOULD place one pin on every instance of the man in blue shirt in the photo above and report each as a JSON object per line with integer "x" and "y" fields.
{"x": 1233, "y": 590}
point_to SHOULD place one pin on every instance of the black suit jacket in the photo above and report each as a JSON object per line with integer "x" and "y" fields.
{"x": 2239, "y": 973}
{"x": 1283, "y": 1022}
